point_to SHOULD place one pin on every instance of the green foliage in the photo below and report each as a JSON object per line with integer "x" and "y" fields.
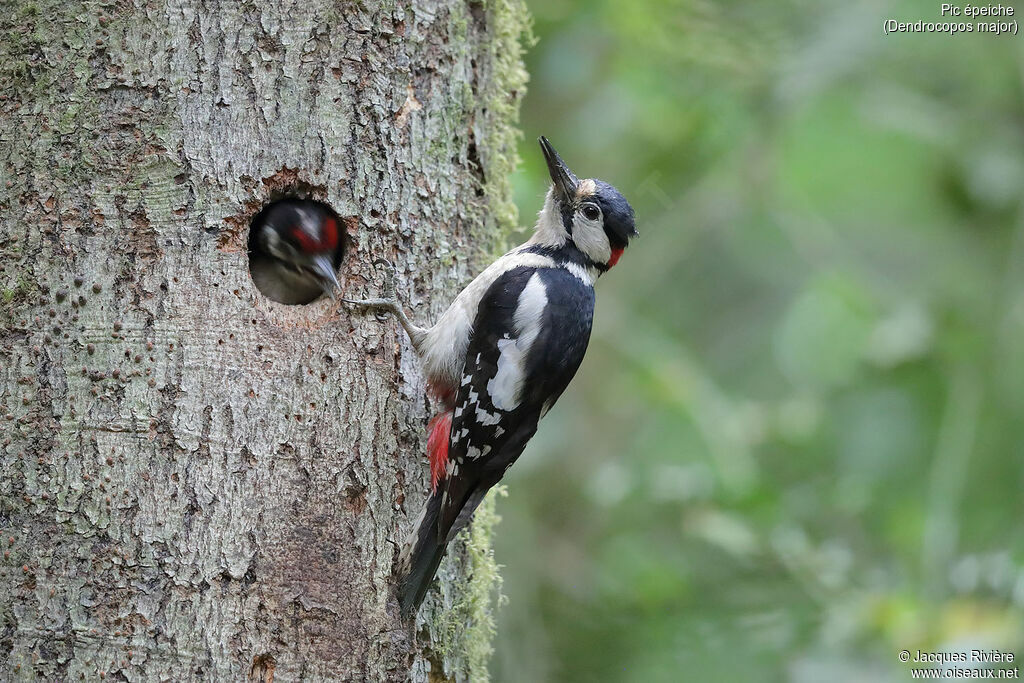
{"x": 794, "y": 447}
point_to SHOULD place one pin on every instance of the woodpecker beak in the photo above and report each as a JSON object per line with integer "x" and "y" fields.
{"x": 564, "y": 179}
{"x": 323, "y": 268}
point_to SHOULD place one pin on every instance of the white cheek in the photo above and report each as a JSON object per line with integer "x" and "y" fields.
{"x": 275, "y": 246}
{"x": 590, "y": 237}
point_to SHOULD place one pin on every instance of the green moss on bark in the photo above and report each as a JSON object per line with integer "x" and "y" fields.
{"x": 511, "y": 29}
{"x": 463, "y": 630}
{"x": 462, "y": 626}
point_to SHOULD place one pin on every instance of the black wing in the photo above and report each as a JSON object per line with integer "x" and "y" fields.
{"x": 528, "y": 340}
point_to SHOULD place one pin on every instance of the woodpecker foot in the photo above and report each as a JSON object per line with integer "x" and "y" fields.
{"x": 388, "y": 302}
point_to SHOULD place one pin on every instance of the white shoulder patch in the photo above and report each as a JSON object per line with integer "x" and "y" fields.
{"x": 507, "y": 385}
{"x": 444, "y": 347}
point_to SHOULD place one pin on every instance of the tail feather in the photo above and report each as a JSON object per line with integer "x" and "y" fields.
{"x": 421, "y": 557}
{"x": 425, "y": 548}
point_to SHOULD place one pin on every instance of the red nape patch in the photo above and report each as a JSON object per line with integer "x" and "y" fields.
{"x": 328, "y": 237}
{"x": 616, "y": 255}
{"x": 330, "y": 233}
{"x": 437, "y": 446}
{"x": 308, "y": 244}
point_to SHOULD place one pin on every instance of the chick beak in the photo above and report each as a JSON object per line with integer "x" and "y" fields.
{"x": 564, "y": 179}
{"x": 323, "y": 268}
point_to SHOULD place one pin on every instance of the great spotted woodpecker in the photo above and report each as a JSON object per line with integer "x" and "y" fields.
{"x": 503, "y": 353}
{"x": 294, "y": 250}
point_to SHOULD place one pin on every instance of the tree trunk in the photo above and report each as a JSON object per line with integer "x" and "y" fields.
{"x": 200, "y": 483}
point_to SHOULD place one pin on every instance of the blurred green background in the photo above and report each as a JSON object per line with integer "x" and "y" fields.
{"x": 794, "y": 448}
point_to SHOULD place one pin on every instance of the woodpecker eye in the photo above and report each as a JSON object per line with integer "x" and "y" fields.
{"x": 591, "y": 212}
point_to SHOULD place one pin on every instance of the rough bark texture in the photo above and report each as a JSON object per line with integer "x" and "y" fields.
{"x": 199, "y": 483}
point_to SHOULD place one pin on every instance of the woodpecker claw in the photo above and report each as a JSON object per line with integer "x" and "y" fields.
{"x": 388, "y": 302}
{"x": 388, "y": 299}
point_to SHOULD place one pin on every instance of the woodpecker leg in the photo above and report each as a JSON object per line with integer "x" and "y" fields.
{"x": 388, "y": 301}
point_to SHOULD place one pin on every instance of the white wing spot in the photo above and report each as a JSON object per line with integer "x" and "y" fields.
{"x": 473, "y": 453}
{"x": 458, "y": 412}
{"x": 485, "y": 418}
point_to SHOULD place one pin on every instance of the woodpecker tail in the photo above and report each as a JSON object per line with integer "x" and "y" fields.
{"x": 421, "y": 557}
{"x": 425, "y": 548}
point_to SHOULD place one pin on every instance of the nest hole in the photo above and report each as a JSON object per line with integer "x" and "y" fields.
{"x": 296, "y": 246}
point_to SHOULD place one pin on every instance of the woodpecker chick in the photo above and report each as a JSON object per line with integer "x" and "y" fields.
{"x": 503, "y": 353}
{"x": 294, "y": 251}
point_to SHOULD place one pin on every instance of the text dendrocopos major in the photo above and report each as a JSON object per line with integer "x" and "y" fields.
{"x": 503, "y": 353}
{"x": 294, "y": 250}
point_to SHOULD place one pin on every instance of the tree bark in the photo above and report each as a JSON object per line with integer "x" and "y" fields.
{"x": 200, "y": 483}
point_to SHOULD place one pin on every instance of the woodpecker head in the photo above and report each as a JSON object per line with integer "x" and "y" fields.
{"x": 302, "y": 238}
{"x": 590, "y": 213}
